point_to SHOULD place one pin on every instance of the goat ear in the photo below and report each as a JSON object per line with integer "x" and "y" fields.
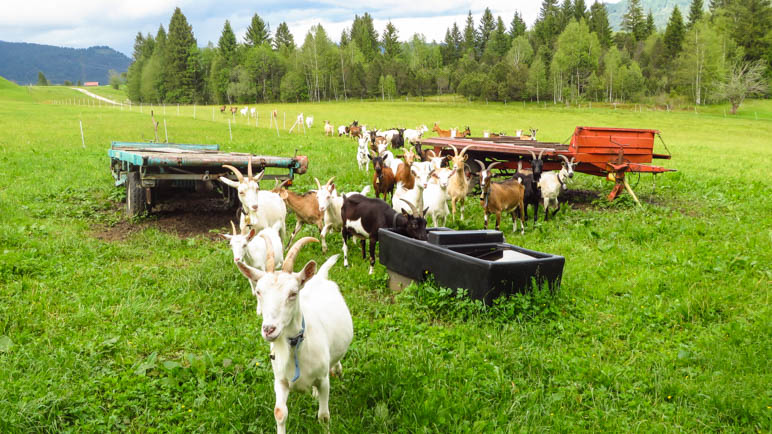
{"x": 226, "y": 236}
{"x": 251, "y": 235}
{"x": 307, "y": 272}
{"x": 250, "y": 273}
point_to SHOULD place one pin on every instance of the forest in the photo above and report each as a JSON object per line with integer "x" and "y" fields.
{"x": 569, "y": 55}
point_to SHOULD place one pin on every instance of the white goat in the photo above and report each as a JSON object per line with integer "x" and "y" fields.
{"x": 362, "y": 152}
{"x": 309, "y": 327}
{"x": 328, "y": 129}
{"x": 330, "y": 204}
{"x": 342, "y": 130}
{"x": 435, "y": 196}
{"x": 244, "y": 111}
{"x": 263, "y": 208}
{"x": 551, "y": 183}
{"x": 247, "y": 247}
{"x": 252, "y": 111}
{"x": 402, "y": 198}
{"x": 309, "y": 121}
{"x": 413, "y": 136}
{"x": 388, "y": 157}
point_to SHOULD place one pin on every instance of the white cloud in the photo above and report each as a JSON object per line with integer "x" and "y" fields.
{"x": 115, "y": 23}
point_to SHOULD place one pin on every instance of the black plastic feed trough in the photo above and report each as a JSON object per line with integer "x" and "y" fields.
{"x": 478, "y": 261}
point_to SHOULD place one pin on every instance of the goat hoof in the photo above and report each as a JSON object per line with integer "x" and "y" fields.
{"x": 324, "y": 417}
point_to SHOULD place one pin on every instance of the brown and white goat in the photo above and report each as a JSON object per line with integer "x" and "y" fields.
{"x": 305, "y": 206}
{"x": 498, "y": 197}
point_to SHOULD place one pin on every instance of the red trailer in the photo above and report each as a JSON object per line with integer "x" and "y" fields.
{"x": 600, "y": 151}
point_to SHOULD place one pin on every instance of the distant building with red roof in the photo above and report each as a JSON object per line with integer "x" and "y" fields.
{"x": 91, "y": 83}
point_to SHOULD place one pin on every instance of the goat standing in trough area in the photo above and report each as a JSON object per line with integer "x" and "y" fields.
{"x": 253, "y": 250}
{"x": 498, "y": 197}
{"x": 552, "y": 183}
{"x": 305, "y": 206}
{"x": 420, "y": 172}
{"x": 263, "y": 208}
{"x": 435, "y": 196}
{"x": 307, "y": 323}
{"x": 363, "y": 216}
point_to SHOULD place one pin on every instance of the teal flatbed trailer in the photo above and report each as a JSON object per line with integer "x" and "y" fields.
{"x": 146, "y": 169}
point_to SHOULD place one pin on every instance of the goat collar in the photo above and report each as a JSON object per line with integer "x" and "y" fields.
{"x": 295, "y": 342}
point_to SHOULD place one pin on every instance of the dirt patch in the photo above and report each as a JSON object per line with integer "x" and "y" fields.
{"x": 182, "y": 216}
{"x": 580, "y": 199}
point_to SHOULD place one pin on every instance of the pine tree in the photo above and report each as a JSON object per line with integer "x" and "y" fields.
{"x": 283, "y": 38}
{"x": 470, "y": 34}
{"x": 632, "y": 21}
{"x": 517, "y": 27}
{"x": 487, "y": 26}
{"x": 599, "y": 23}
{"x": 546, "y": 28}
{"x": 42, "y": 80}
{"x": 566, "y": 14}
{"x": 390, "y": 41}
{"x": 458, "y": 41}
{"x": 751, "y": 29}
{"x": 695, "y": 12}
{"x": 580, "y": 10}
{"x": 498, "y": 44}
{"x": 227, "y": 44}
{"x": 258, "y": 32}
{"x": 364, "y": 34}
{"x": 180, "y": 60}
{"x": 674, "y": 34}
{"x": 650, "y": 27}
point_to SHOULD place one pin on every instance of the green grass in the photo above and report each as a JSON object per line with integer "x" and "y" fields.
{"x": 662, "y": 322}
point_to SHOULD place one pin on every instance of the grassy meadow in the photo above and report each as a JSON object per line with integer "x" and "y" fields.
{"x": 662, "y": 323}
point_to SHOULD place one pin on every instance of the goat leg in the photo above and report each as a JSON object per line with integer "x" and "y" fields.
{"x": 372, "y": 253}
{"x": 280, "y": 411}
{"x": 362, "y": 243}
{"x": 324, "y": 395}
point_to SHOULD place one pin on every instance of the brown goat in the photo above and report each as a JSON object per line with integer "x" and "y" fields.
{"x": 383, "y": 178}
{"x": 440, "y": 132}
{"x": 404, "y": 174}
{"x": 305, "y": 206}
{"x": 498, "y": 197}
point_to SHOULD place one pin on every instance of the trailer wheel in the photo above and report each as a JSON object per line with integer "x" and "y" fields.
{"x": 135, "y": 195}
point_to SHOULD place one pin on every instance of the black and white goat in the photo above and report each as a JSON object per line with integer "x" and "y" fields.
{"x": 363, "y": 216}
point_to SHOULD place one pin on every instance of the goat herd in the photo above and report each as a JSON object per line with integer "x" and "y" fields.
{"x": 304, "y": 316}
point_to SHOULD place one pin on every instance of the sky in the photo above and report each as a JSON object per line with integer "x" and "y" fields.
{"x": 114, "y": 23}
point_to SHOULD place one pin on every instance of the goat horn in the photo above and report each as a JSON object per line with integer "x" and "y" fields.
{"x": 482, "y": 166}
{"x": 330, "y": 181}
{"x": 463, "y": 151}
{"x": 492, "y": 165}
{"x": 270, "y": 260}
{"x": 416, "y": 213}
{"x": 289, "y": 260}
{"x": 572, "y": 160}
{"x": 318, "y": 185}
{"x": 540, "y": 154}
{"x": 235, "y": 172}
{"x": 259, "y": 176}
{"x": 532, "y": 154}
{"x": 249, "y": 168}
{"x": 433, "y": 155}
{"x": 233, "y": 226}
{"x": 455, "y": 151}
{"x": 564, "y": 159}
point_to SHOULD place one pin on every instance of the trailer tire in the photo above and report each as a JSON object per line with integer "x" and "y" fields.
{"x": 135, "y": 195}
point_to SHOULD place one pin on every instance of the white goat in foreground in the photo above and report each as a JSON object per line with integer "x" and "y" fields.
{"x": 253, "y": 250}
{"x": 307, "y": 323}
{"x": 263, "y": 208}
{"x": 309, "y": 121}
{"x": 551, "y": 184}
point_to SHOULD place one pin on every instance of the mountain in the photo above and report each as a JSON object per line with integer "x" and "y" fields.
{"x": 21, "y": 62}
{"x": 661, "y": 9}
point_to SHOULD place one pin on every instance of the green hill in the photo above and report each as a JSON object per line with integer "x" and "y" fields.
{"x": 11, "y": 90}
{"x": 21, "y": 62}
{"x": 661, "y": 9}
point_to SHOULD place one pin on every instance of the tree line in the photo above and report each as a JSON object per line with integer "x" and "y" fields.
{"x": 570, "y": 54}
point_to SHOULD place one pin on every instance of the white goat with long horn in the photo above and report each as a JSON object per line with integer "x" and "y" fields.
{"x": 307, "y": 323}
{"x": 263, "y": 208}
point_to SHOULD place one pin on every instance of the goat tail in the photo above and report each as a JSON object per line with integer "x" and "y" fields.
{"x": 325, "y": 268}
